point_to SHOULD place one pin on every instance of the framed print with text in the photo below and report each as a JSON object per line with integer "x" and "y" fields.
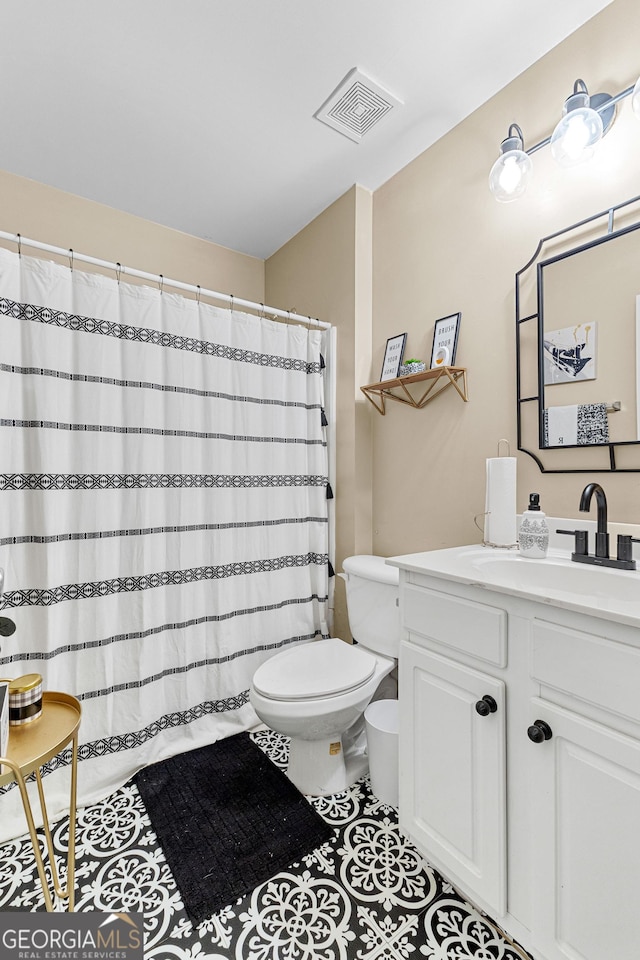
{"x": 393, "y": 355}
{"x": 445, "y": 341}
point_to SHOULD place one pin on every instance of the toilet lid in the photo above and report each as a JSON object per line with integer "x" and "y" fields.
{"x": 322, "y": 668}
{"x": 371, "y": 568}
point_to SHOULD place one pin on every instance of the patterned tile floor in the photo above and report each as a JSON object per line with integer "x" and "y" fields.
{"x": 364, "y": 895}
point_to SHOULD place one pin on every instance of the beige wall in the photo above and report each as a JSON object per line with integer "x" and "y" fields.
{"x": 441, "y": 243}
{"x": 62, "y": 219}
{"x": 430, "y": 242}
{"x": 325, "y": 272}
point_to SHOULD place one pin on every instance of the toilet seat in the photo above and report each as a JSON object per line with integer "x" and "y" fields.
{"x": 312, "y": 671}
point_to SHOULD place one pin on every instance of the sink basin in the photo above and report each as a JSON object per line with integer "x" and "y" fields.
{"x": 560, "y": 575}
{"x": 601, "y": 591}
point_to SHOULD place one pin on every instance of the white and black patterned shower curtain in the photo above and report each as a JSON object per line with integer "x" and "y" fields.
{"x": 163, "y": 504}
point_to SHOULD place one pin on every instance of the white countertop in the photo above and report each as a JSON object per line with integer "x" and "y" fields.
{"x": 557, "y": 580}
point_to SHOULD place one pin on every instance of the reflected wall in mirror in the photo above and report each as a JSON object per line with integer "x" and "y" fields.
{"x": 577, "y": 346}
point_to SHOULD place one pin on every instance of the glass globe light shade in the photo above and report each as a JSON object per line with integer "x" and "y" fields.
{"x": 578, "y": 132}
{"x": 635, "y": 99}
{"x": 510, "y": 175}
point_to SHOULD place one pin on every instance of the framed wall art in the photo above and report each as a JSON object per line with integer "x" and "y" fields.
{"x": 570, "y": 353}
{"x": 445, "y": 341}
{"x": 393, "y": 355}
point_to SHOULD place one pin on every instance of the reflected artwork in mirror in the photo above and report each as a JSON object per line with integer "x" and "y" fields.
{"x": 578, "y": 346}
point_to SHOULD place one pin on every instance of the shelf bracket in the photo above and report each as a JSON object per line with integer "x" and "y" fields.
{"x": 437, "y": 380}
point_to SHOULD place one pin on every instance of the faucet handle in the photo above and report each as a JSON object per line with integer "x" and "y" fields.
{"x": 581, "y": 545}
{"x": 625, "y": 548}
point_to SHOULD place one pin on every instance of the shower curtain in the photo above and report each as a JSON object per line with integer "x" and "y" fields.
{"x": 164, "y": 513}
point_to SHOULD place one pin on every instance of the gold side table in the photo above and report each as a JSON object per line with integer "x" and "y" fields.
{"x": 31, "y": 745}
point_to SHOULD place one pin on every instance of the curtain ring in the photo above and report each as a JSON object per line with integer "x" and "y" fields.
{"x": 198, "y": 294}
{"x": 118, "y": 272}
{"x": 19, "y": 242}
{"x": 262, "y": 316}
{"x": 161, "y": 284}
{"x": 231, "y": 295}
{"x": 71, "y": 259}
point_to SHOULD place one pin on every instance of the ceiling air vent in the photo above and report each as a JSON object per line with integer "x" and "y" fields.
{"x": 356, "y": 105}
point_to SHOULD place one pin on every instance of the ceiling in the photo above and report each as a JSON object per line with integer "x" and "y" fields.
{"x": 199, "y": 114}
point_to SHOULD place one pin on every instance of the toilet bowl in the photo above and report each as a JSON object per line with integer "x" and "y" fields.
{"x": 316, "y": 693}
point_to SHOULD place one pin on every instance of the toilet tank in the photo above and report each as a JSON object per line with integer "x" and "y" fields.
{"x": 372, "y": 594}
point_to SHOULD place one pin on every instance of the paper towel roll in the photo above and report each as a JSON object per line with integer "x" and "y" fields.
{"x": 500, "y": 507}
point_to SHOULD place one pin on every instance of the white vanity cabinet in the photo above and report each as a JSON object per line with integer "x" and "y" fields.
{"x": 446, "y": 743}
{"x": 585, "y": 789}
{"x": 453, "y": 771}
{"x": 586, "y": 856}
{"x": 538, "y": 825}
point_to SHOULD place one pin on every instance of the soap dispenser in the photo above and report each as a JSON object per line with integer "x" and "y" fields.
{"x": 533, "y": 536}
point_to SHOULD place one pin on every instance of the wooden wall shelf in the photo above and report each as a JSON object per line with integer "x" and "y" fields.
{"x": 436, "y": 381}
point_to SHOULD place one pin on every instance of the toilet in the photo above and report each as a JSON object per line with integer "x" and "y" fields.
{"x": 316, "y": 693}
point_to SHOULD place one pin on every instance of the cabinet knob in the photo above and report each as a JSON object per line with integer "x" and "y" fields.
{"x": 539, "y": 731}
{"x": 486, "y": 706}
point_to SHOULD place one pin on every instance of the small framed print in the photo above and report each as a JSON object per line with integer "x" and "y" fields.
{"x": 445, "y": 341}
{"x": 393, "y": 355}
{"x": 570, "y": 353}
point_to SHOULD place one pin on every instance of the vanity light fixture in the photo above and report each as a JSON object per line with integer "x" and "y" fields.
{"x": 585, "y": 120}
{"x": 510, "y": 173}
{"x": 580, "y": 129}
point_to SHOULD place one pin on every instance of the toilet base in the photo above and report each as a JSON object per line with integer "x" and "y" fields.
{"x": 319, "y": 768}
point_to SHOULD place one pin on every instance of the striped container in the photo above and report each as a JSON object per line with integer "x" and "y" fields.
{"x": 25, "y": 699}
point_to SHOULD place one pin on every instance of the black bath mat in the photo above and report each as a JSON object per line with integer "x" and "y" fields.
{"x": 227, "y": 819}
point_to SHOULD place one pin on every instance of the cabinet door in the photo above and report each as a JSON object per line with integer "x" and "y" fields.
{"x": 452, "y": 772}
{"x": 586, "y": 839}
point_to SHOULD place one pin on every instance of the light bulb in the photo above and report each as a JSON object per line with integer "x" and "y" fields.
{"x": 576, "y": 137}
{"x": 578, "y": 132}
{"x": 510, "y": 173}
{"x": 635, "y": 99}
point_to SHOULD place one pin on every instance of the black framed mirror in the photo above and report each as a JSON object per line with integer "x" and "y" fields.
{"x": 578, "y": 346}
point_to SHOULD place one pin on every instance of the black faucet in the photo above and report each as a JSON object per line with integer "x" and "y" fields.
{"x": 624, "y": 560}
{"x": 602, "y": 535}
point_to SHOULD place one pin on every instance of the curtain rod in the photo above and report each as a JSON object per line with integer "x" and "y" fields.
{"x": 119, "y": 270}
